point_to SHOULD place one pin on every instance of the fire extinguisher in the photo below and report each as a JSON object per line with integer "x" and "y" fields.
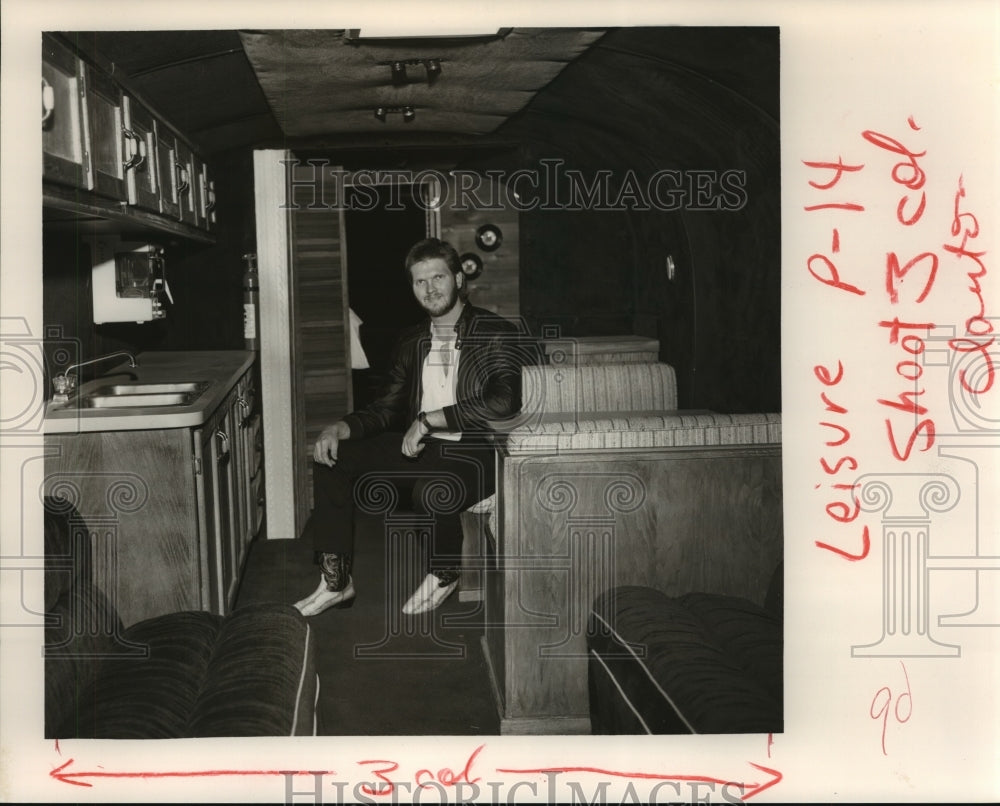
{"x": 251, "y": 291}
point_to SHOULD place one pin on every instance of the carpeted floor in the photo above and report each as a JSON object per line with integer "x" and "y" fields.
{"x": 383, "y": 673}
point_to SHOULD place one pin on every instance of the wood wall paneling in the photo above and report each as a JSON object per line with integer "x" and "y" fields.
{"x": 321, "y": 355}
{"x": 129, "y": 495}
{"x": 498, "y": 286}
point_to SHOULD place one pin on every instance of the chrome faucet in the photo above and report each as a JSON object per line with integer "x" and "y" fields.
{"x": 64, "y": 383}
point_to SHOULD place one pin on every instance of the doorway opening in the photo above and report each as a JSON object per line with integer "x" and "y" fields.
{"x": 381, "y": 225}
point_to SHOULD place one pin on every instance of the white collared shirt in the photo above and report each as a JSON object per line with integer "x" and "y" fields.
{"x": 440, "y": 372}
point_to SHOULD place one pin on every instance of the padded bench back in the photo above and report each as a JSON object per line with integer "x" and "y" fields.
{"x": 642, "y": 429}
{"x": 602, "y": 350}
{"x": 550, "y": 389}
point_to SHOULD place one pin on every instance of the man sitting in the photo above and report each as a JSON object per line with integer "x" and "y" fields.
{"x": 453, "y": 377}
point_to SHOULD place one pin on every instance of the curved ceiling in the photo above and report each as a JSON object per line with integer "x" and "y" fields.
{"x": 321, "y": 83}
{"x": 663, "y": 96}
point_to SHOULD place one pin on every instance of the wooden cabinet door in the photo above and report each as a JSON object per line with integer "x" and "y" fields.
{"x": 238, "y": 415}
{"x": 187, "y": 195}
{"x": 103, "y": 113}
{"x": 230, "y": 539}
{"x": 206, "y": 204}
{"x": 199, "y": 215}
{"x": 220, "y": 526}
{"x": 65, "y": 157}
{"x": 133, "y": 489}
{"x": 140, "y": 156}
{"x": 166, "y": 169}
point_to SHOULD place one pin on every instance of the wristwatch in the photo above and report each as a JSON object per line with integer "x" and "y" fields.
{"x": 422, "y": 417}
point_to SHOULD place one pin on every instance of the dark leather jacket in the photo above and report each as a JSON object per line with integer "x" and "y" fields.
{"x": 488, "y": 387}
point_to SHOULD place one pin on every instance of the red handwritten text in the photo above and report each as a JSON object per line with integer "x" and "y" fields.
{"x": 910, "y": 370}
{"x": 447, "y": 776}
{"x": 840, "y": 511}
{"x": 424, "y": 778}
{"x": 978, "y": 329}
{"x": 883, "y": 699}
{"x": 820, "y": 266}
{"x": 386, "y": 786}
{"x": 907, "y": 172}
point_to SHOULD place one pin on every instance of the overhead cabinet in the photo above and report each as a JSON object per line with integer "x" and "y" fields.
{"x": 206, "y": 189}
{"x": 140, "y": 164}
{"x": 65, "y": 160}
{"x": 102, "y": 111}
{"x": 186, "y": 184}
{"x": 166, "y": 164}
{"x": 99, "y": 136}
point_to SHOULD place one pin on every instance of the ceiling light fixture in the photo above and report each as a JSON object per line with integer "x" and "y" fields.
{"x": 398, "y": 73}
{"x": 433, "y": 67}
{"x": 357, "y": 36}
{"x": 408, "y": 113}
{"x": 397, "y": 69}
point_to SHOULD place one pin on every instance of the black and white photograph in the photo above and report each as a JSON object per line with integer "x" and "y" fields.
{"x": 453, "y": 328}
{"x": 430, "y": 408}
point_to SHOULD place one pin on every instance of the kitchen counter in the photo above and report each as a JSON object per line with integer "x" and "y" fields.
{"x": 221, "y": 368}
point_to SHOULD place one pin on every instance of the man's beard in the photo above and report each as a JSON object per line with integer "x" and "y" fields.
{"x": 440, "y": 306}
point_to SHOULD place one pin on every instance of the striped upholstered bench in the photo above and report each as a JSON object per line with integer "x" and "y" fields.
{"x": 567, "y": 397}
{"x": 696, "y": 663}
{"x": 187, "y": 674}
{"x": 598, "y": 430}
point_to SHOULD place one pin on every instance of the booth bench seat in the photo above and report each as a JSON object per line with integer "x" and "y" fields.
{"x": 180, "y": 675}
{"x": 588, "y": 501}
{"x": 586, "y": 387}
{"x": 694, "y": 663}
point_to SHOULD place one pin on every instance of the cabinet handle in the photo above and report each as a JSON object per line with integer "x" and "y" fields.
{"x": 210, "y": 200}
{"x": 223, "y": 438}
{"x": 48, "y": 102}
{"x": 137, "y": 148}
{"x": 183, "y": 180}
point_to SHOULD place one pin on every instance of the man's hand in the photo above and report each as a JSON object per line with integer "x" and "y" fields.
{"x": 325, "y": 450}
{"x": 412, "y": 444}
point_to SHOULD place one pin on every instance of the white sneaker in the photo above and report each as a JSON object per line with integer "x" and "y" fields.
{"x": 323, "y": 599}
{"x": 431, "y": 593}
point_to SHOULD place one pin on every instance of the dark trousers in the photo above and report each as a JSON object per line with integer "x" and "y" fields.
{"x": 371, "y": 474}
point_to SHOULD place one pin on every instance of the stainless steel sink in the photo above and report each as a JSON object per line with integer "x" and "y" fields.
{"x": 150, "y": 388}
{"x": 144, "y": 395}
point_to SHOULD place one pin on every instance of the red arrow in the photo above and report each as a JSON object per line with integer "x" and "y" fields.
{"x": 60, "y": 774}
{"x": 749, "y": 790}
